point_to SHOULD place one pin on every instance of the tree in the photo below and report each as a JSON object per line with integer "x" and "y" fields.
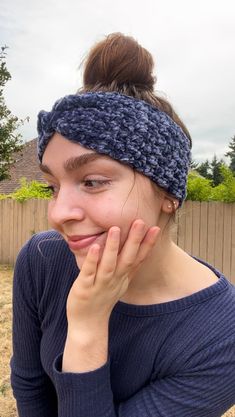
{"x": 211, "y": 170}
{"x": 231, "y": 154}
{"x": 202, "y": 189}
{"x": 225, "y": 191}
{"x": 10, "y": 140}
{"x": 204, "y": 169}
{"x": 216, "y": 175}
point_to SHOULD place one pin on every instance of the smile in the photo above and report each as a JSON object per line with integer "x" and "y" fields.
{"x": 76, "y": 243}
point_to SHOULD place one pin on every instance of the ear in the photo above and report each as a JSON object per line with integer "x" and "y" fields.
{"x": 170, "y": 205}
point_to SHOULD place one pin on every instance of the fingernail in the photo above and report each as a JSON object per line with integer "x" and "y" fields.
{"x": 115, "y": 233}
{"x": 140, "y": 226}
{"x": 95, "y": 249}
{"x": 156, "y": 231}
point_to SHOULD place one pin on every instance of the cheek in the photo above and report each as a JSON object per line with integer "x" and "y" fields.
{"x": 120, "y": 212}
{"x": 122, "y": 217}
{"x": 113, "y": 212}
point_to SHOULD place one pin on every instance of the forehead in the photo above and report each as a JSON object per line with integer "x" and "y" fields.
{"x": 61, "y": 152}
{"x": 59, "y": 147}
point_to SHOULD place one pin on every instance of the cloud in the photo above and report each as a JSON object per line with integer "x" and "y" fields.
{"x": 192, "y": 44}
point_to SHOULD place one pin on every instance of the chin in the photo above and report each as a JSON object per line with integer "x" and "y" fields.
{"x": 79, "y": 260}
{"x": 81, "y": 255}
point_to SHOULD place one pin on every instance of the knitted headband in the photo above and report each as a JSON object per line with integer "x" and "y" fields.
{"x": 126, "y": 129}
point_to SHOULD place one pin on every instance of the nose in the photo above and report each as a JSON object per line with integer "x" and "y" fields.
{"x": 67, "y": 206}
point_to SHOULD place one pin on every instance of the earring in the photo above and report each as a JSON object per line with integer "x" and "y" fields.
{"x": 170, "y": 205}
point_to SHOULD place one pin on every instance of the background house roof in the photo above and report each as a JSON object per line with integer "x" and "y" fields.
{"x": 26, "y": 165}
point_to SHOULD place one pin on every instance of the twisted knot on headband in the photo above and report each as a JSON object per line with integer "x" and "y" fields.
{"x": 128, "y": 130}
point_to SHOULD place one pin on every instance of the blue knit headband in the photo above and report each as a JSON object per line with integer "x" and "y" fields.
{"x": 126, "y": 129}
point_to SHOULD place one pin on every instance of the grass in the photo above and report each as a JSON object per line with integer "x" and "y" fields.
{"x": 7, "y": 402}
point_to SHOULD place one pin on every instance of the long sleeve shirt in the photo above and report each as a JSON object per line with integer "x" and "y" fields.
{"x": 170, "y": 359}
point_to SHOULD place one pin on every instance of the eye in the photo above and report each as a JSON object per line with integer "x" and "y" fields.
{"x": 50, "y": 190}
{"x": 94, "y": 184}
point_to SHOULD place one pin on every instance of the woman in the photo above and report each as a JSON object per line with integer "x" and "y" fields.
{"x": 111, "y": 318}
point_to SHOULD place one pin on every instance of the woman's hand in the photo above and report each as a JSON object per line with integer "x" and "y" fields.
{"x": 101, "y": 284}
{"x": 97, "y": 289}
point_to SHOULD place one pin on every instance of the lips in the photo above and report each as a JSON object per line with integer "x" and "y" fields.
{"x": 79, "y": 242}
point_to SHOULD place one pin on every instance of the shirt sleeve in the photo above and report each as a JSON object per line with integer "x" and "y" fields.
{"x": 34, "y": 392}
{"x": 204, "y": 388}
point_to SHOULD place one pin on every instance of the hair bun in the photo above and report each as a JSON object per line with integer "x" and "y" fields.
{"x": 118, "y": 61}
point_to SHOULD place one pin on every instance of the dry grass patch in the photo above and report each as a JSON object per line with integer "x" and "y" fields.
{"x": 7, "y": 402}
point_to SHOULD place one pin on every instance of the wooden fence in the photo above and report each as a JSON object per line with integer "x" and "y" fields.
{"x": 205, "y": 230}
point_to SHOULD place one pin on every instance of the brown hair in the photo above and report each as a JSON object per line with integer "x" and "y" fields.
{"x": 118, "y": 63}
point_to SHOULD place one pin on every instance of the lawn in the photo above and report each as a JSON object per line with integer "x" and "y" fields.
{"x": 7, "y": 403}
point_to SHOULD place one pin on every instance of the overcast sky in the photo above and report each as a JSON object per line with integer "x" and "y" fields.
{"x": 192, "y": 42}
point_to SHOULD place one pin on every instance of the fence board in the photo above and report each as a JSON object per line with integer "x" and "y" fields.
{"x": 211, "y": 233}
{"x": 219, "y": 236}
{"x": 232, "y": 273}
{"x": 10, "y": 216}
{"x": 196, "y": 229}
{"x": 188, "y": 228}
{"x": 20, "y": 225}
{"x": 227, "y": 241}
{"x": 41, "y": 222}
{"x": 6, "y": 231}
{"x": 205, "y": 230}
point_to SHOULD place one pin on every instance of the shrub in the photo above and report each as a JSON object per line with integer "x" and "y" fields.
{"x": 32, "y": 189}
{"x": 201, "y": 189}
{"x": 225, "y": 191}
{"x": 198, "y": 188}
{"x": 4, "y": 196}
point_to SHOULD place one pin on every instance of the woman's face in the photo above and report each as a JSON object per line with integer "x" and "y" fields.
{"x": 91, "y": 193}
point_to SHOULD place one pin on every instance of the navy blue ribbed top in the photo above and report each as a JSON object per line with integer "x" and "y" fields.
{"x": 170, "y": 359}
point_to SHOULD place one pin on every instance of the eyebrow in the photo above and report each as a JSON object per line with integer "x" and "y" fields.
{"x": 75, "y": 162}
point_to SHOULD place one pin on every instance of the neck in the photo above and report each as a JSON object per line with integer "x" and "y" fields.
{"x": 156, "y": 269}
{"x": 168, "y": 274}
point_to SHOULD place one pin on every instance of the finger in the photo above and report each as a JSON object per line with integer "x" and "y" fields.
{"x": 131, "y": 247}
{"x": 108, "y": 261}
{"x": 89, "y": 267}
{"x": 147, "y": 244}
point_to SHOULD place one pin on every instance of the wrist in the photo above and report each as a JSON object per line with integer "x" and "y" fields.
{"x": 85, "y": 351}
{"x": 86, "y": 335}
